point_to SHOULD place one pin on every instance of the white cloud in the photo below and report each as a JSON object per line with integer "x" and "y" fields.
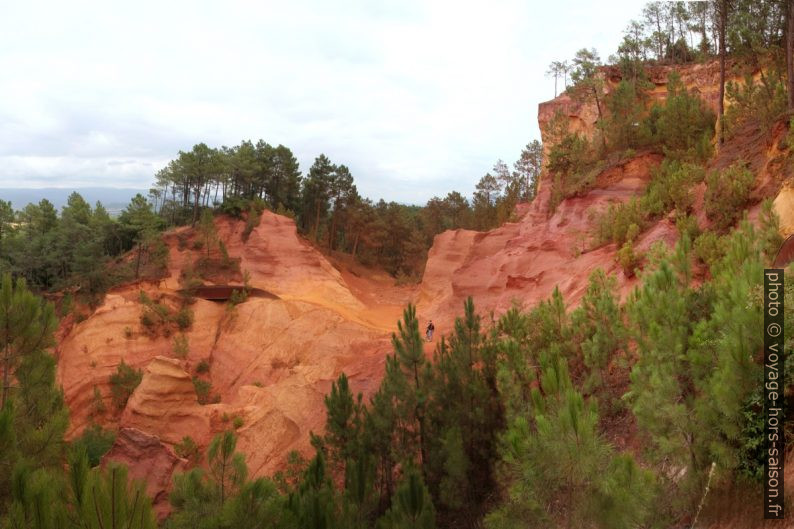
{"x": 416, "y": 97}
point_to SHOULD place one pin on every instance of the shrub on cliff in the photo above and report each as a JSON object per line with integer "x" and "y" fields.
{"x": 683, "y": 125}
{"x": 628, "y": 259}
{"x": 671, "y": 188}
{"x": 123, "y": 382}
{"x": 763, "y": 101}
{"x": 622, "y": 222}
{"x": 188, "y": 449}
{"x": 727, "y": 192}
{"x": 95, "y": 441}
{"x": 626, "y": 126}
{"x": 203, "y": 389}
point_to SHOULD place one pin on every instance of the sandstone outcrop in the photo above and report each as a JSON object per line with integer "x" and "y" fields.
{"x": 150, "y": 461}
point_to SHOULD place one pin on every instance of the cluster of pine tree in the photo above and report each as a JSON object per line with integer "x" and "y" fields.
{"x": 73, "y": 250}
{"x": 326, "y": 203}
{"x": 756, "y": 36}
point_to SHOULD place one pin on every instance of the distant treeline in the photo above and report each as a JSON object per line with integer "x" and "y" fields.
{"x": 73, "y": 248}
{"x": 326, "y": 204}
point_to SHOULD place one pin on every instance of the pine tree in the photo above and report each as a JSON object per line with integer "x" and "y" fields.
{"x": 26, "y": 330}
{"x": 406, "y": 378}
{"x": 209, "y": 234}
{"x": 226, "y": 467}
{"x": 598, "y": 322}
{"x": 359, "y": 502}
{"x": 37, "y": 500}
{"x": 205, "y": 498}
{"x": 560, "y": 471}
{"x": 464, "y": 416}
{"x": 107, "y": 499}
{"x": 313, "y": 504}
{"x": 663, "y": 397}
{"x": 343, "y": 424}
{"x": 412, "y": 507}
{"x": 258, "y": 505}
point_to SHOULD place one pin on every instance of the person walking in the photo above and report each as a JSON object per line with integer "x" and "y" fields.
{"x": 429, "y": 331}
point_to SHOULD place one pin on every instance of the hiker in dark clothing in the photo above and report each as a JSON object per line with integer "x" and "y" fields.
{"x": 429, "y": 331}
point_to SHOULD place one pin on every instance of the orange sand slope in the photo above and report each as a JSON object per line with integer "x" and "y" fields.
{"x": 271, "y": 360}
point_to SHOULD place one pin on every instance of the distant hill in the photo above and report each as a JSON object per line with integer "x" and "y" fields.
{"x": 114, "y": 199}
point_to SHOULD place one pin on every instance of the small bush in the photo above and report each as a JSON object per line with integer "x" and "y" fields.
{"x": 97, "y": 403}
{"x": 198, "y": 244}
{"x": 769, "y": 230}
{"x": 615, "y": 223}
{"x": 181, "y": 347}
{"x": 189, "y": 281}
{"x": 687, "y": 226}
{"x": 184, "y": 318}
{"x": 143, "y": 298}
{"x": 727, "y": 193}
{"x": 252, "y": 220}
{"x": 284, "y": 211}
{"x": 239, "y": 295}
{"x": 96, "y": 442}
{"x": 234, "y": 206}
{"x": 128, "y": 333}
{"x": 203, "y": 389}
{"x": 572, "y": 162}
{"x": 670, "y": 188}
{"x": 147, "y": 320}
{"x": 763, "y": 101}
{"x": 708, "y": 248}
{"x": 188, "y": 449}
{"x": 203, "y": 367}
{"x": 237, "y": 422}
{"x": 123, "y": 382}
{"x": 627, "y": 259}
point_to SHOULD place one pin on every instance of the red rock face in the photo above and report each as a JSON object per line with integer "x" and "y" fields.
{"x": 522, "y": 262}
{"x": 271, "y": 360}
{"x": 150, "y": 461}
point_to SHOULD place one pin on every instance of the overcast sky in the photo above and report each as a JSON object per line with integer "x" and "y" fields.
{"x": 417, "y": 97}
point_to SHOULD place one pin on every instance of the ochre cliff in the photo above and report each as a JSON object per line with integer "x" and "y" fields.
{"x": 272, "y": 359}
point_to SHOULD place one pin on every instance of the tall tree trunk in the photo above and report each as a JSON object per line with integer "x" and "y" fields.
{"x": 138, "y": 261}
{"x": 355, "y": 244}
{"x": 196, "y": 206}
{"x": 659, "y": 37}
{"x": 332, "y": 232}
{"x": 600, "y": 118}
{"x": 723, "y": 6}
{"x": 173, "y": 204}
{"x": 790, "y": 53}
{"x": 317, "y": 222}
